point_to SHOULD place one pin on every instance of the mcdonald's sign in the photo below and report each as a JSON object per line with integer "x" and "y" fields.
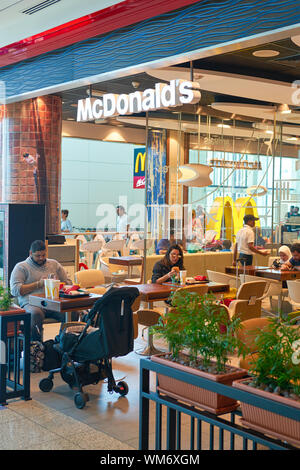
{"x": 139, "y": 168}
{"x": 227, "y": 216}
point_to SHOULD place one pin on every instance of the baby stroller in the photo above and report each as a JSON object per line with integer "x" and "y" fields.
{"x": 87, "y": 348}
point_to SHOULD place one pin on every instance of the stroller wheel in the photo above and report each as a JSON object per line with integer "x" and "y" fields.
{"x": 80, "y": 400}
{"x": 46, "y": 385}
{"x": 122, "y": 388}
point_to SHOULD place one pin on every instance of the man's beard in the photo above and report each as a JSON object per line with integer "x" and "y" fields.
{"x": 38, "y": 264}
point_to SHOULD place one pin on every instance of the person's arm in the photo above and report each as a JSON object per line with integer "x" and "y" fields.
{"x": 18, "y": 286}
{"x": 286, "y": 266}
{"x": 255, "y": 250}
{"x": 158, "y": 277}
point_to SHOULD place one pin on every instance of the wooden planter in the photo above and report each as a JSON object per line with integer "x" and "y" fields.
{"x": 197, "y": 396}
{"x": 280, "y": 427}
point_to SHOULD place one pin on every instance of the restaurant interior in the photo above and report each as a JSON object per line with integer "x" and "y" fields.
{"x": 234, "y": 152}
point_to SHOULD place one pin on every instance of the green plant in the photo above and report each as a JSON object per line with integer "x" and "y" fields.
{"x": 202, "y": 327}
{"x": 5, "y": 298}
{"x": 273, "y": 365}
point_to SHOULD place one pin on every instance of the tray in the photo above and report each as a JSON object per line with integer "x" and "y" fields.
{"x": 75, "y": 296}
{"x": 189, "y": 283}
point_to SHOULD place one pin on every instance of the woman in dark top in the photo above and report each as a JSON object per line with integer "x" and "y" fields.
{"x": 163, "y": 270}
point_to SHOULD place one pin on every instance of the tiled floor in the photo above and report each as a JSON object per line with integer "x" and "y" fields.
{"x": 107, "y": 419}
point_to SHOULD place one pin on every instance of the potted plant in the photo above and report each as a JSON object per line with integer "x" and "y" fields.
{"x": 200, "y": 346}
{"x": 274, "y": 374}
{"x": 5, "y": 298}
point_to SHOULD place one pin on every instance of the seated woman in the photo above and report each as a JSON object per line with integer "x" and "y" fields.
{"x": 284, "y": 256}
{"x": 166, "y": 268}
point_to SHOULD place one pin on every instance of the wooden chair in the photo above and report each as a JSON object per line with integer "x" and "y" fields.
{"x": 247, "y": 334}
{"x": 91, "y": 280}
{"x": 199, "y": 289}
{"x": 147, "y": 318}
{"x": 223, "y": 278}
{"x": 273, "y": 288}
{"x": 248, "y": 300}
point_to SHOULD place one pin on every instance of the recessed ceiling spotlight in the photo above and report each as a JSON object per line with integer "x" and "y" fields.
{"x": 296, "y": 40}
{"x": 265, "y": 53}
{"x": 284, "y": 109}
{"x": 225, "y": 126}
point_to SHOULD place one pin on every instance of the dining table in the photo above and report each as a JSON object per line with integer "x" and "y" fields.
{"x": 128, "y": 261}
{"x": 152, "y": 292}
{"x": 64, "y": 305}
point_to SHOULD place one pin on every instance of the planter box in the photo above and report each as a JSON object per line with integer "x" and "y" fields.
{"x": 197, "y": 396}
{"x": 280, "y": 427}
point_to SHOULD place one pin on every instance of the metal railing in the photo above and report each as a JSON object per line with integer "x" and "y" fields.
{"x": 179, "y": 426}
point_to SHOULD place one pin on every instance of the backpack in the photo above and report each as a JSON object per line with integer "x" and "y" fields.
{"x": 52, "y": 358}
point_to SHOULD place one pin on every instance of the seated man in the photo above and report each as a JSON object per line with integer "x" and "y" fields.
{"x": 28, "y": 277}
{"x": 294, "y": 261}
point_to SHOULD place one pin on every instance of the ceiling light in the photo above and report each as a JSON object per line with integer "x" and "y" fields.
{"x": 70, "y": 119}
{"x": 265, "y": 53}
{"x": 95, "y": 92}
{"x": 291, "y": 138}
{"x": 195, "y": 175}
{"x": 225, "y": 126}
{"x": 296, "y": 40}
{"x": 269, "y": 132}
{"x": 284, "y": 109}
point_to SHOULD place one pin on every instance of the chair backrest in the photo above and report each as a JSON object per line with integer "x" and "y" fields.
{"x": 148, "y": 317}
{"x": 294, "y": 290}
{"x": 92, "y": 246}
{"x": 139, "y": 244}
{"x": 249, "y": 331}
{"x": 248, "y": 278}
{"x": 115, "y": 245}
{"x": 198, "y": 289}
{"x": 215, "y": 276}
{"x": 253, "y": 289}
{"x": 89, "y": 278}
{"x": 81, "y": 239}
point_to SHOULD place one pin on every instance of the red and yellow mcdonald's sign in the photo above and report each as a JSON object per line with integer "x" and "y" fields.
{"x": 228, "y": 215}
{"x": 139, "y": 168}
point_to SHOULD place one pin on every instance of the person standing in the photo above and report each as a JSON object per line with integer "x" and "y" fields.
{"x": 122, "y": 222}
{"x": 65, "y": 224}
{"x": 245, "y": 242}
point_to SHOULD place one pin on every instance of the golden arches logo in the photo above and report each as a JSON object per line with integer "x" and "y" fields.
{"x": 227, "y": 216}
{"x": 140, "y": 158}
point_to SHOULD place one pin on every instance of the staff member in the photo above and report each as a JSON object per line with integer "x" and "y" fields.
{"x": 163, "y": 270}
{"x": 245, "y": 242}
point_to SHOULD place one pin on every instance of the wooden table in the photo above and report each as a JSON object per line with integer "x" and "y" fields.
{"x": 250, "y": 270}
{"x": 277, "y": 274}
{"x": 12, "y": 341}
{"x": 128, "y": 261}
{"x": 63, "y": 305}
{"x": 151, "y": 293}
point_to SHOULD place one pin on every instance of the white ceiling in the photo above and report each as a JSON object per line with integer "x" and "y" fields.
{"x": 232, "y": 84}
{"x": 16, "y": 25}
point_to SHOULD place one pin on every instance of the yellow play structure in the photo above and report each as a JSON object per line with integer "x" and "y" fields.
{"x": 226, "y": 213}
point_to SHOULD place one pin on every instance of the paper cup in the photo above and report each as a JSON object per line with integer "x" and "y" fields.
{"x": 182, "y": 277}
{"x": 47, "y": 288}
{"x": 54, "y": 288}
